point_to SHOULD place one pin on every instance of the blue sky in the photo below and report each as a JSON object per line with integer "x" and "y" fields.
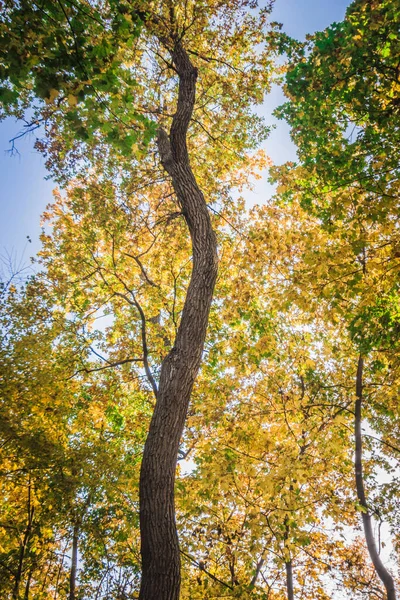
{"x": 24, "y": 192}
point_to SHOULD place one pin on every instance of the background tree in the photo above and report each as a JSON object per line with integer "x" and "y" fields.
{"x": 70, "y": 458}
{"x": 348, "y": 180}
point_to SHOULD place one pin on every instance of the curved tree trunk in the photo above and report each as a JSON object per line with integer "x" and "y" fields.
{"x": 380, "y": 568}
{"x": 159, "y": 540}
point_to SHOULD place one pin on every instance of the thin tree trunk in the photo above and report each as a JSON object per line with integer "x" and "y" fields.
{"x": 27, "y": 535}
{"x": 74, "y": 563}
{"x": 59, "y": 572}
{"x": 28, "y": 584}
{"x": 289, "y": 580}
{"x": 380, "y": 568}
{"x": 259, "y": 566}
{"x": 159, "y": 539}
{"x": 288, "y": 563}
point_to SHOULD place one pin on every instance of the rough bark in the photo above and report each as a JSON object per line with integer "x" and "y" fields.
{"x": 74, "y": 563}
{"x": 159, "y": 539}
{"x": 380, "y": 568}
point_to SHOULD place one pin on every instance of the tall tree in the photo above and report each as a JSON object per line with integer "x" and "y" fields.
{"x": 159, "y": 540}
{"x": 78, "y": 55}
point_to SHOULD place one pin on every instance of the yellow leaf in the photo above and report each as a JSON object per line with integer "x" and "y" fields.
{"x": 52, "y": 96}
{"x": 72, "y": 100}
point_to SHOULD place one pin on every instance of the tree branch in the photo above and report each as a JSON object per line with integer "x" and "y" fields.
{"x": 202, "y": 568}
{"x": 109, "y": 365}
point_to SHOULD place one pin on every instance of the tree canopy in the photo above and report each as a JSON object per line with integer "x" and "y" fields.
{"x": 200, "y": 399}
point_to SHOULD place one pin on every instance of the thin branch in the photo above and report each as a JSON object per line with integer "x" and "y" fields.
{"x": 145, "y": 349}
{"x": 218, "y": 60}
{"x": 382, "y": 442}
{"x": 30, "y": 128}
{"x": 142, "y": 269}
{"x": 214, "y": 139}
{"x": 257, "y": 573}
{"x": 202, "y": 568}
{"x": 136, "y": 304}
{"x": 108, "y": 366}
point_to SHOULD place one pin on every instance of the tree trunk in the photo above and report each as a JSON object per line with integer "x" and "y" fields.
{"x": 159, "y": 539}
{"x": 289, "y": 580}
{"x": 28, "y": 584}
{"x": 25, "y": 541}
{"x": 74, "y": 563}
{"x": 288, "y": 563}
{"x": 380, "y": 568}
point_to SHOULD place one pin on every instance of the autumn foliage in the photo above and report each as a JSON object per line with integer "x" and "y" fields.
{"x": 285, "y": 481}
